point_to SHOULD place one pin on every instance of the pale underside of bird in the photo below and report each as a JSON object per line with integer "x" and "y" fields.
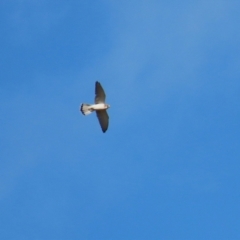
{"x": 100, "y": 107}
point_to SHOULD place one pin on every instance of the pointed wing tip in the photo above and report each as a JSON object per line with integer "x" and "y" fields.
{"x": 103, "y": 119}
{"x": 97, "y": 83}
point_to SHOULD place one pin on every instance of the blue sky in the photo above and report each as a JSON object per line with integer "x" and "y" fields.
{"x": 168, "y": 166}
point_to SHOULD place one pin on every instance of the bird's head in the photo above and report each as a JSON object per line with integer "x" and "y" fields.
{"x": 107, "y": 106}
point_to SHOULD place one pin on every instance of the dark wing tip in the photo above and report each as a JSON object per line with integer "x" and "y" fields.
{"x": 97, "y": 84}
{"x": 103, "y": 119}
{"x": 104, "y": 128}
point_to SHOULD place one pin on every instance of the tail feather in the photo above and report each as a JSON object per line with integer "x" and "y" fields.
{"x": 85, "y": 109}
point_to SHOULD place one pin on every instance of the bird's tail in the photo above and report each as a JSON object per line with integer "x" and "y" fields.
{"x": 85, "y": 109}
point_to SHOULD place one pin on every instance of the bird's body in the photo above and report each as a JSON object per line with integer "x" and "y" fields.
{"x": 100, "y": 107}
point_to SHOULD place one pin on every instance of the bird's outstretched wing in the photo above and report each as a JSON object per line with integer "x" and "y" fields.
{"x": 100, "y": 94}
{"x": 103, "y": 119}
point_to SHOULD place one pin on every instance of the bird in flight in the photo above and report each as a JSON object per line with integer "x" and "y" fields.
{"x": 100, "y": 107}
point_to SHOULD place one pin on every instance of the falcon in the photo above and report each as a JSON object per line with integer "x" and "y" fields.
{"x": 100, "y": 107}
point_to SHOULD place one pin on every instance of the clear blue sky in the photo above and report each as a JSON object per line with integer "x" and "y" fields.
{"x": 169, "y": 165}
